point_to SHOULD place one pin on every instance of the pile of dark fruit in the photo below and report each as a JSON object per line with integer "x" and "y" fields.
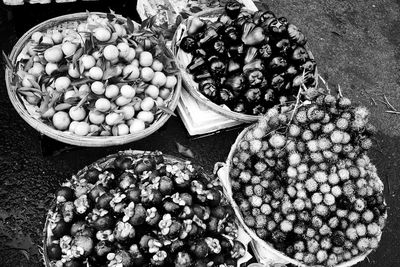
{"x": 248, "y": 62}
{"x": 142, "y": 210}
{"x": 304, "y": 183}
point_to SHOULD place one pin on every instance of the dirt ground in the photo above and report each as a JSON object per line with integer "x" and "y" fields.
{"x": 356, "y": 45}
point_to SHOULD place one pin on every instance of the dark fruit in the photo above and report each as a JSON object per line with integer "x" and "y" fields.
{"x": 54, "y": 251}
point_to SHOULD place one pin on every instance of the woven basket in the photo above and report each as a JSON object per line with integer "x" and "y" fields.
{"x": 106, "y": 162}
{"x": 183, "y": 59}
{"x": 264, "y": 252}
{"x": 65, "y": 22}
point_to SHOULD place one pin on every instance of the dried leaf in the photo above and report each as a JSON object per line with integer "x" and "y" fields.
{"x": 34, "y": 83}
{"x": 184, "y": 151}
{"x": 62, "y": 106}
{"x": 25, "y": 253}
{"x": 166, "y": 110}
{"x": 195, "y": 9}
{"x": 7, "y": 61}
{"x": 77, "y": 56}
{"x": 111, "y": 27}
{"x": 72, "y": 100}
{"x": 41, "y": 47}
{"x": 29, "y": 64}
{"x": 109, "y": 73}
{"x": 184, "y": 14}
{"x": 130, "y": 25}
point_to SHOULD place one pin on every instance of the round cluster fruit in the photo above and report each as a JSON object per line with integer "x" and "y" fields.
{"x": 248, "y": 62}
{"x": 142, "y": 210}
{"x": 304, "y": 183}
{"x": 94, "y": 79}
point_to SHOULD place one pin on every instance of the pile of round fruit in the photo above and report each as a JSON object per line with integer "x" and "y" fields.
{"x": 304, "y": 183}
{"x": 94, "y": 78}
{"x": 248, "y": 62}
{"x": 142, "y": 210}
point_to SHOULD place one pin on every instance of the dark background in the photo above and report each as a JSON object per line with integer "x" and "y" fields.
{"x": 356, "y": 44}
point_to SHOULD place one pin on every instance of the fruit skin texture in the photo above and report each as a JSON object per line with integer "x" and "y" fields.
{"x": 61, "y": 120}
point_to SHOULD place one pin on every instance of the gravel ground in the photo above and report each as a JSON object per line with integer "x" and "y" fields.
{"x": 356, "y": 44}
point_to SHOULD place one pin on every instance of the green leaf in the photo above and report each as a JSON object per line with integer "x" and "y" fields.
{"x": 42, "y": 47}
{"x": 77, "y": 55}
{"x": 166, "y": 110}
{"x": 130, "y": 25}
{"x": 184, "y": 151}
{"x": 109, "y": 73}
{"x": 29, "y": 64}
{"x": 184, "y": 14}
{"x": 72, "y": 100}
{"x": 195, "y": 9}
{"x": 7, "y": 61}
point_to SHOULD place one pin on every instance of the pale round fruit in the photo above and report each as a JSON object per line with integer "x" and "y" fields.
{"x": 36, "y": 36}
{"x": 128, "y": 111}
{"x": 47, "y": 40}
{"x": 131, "y": 72}
{"x": 62, "y": 83}
{"x": 152, "y": 91}
{"x": 69, "y": 94}
{"x": 136, "y": 125}
{"x": 127, "y": 91}
{"x": 113, "y": 118}
{"x": 83, "y": 90}
{"x": 97, "y": 88}
{"x": 145, "y": 59}
{"x": 111, "y": 91}
{"x": 37, "y": 69}
{"x": 120, "y": 129}
{"x": 164, "y": 93}
{"x": 157, "y": 65}
{"x": 88, "y": 61}
{"x": 110, "y": 52}
{"x": 159, "y": 79}
{"x": 72, "y": 126}
{"x": 131, "y": 55}
{"x": 96, "y": 117}
{"x": 147, "y": 103}
{"x": 73, "y": 72}
{"x": 57, "y": 37}
{"x": 119, "y": 29}
{"x": 122, "y": 101}
{"x": 123, "y": 49}
{"x": 102, "y": 34}
{"x": 102, "y": 104}
{"x": 69, "y": 48}
{"x": 94, "y": 128}
{"x": 135, "y": 62}
{"x": 96, "y": 73}
{"x": 77, "y": 113}
{"x": 147, "y": 74}
{"x": 82, "y": 27}
{"x": 50, "y": 68}
{"x": 159, "y": 102}
{"x": 53, "y": 54}
{"x": 82, "y": 128}
{"x": 61, "y": 120}
{"x": 146, "y": 116}
{"x": 171, "y": 82}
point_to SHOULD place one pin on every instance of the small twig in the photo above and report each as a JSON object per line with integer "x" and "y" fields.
{"x": 388, "y": 184}
{"x": 388, "y": 103}
{"x": 340, "y": 91}
{"x": 392, "y": 112}
{"x": 296, "y": 105}
{"x": 369, "y": 95}
{"x": 325, "y": 83}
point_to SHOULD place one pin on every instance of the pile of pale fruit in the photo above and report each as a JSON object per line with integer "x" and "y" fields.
{"x": 99, "y": 78}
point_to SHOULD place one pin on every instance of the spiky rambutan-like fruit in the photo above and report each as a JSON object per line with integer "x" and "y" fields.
{"x": 277, "y": 140}
{"x": 336, "y": 137}
{"x": 245, "y": 176}
{"x": 311, "y": 185}
{"x": 320, "y": 177}
{"x": 324, "y": 143}
{"x": 249, "y": 221}
{"x": 301, "y": 116}
{"x": 344, "y": 102}
{"x": 258, "y": 132}
{"x": 312, "y": 145}
{"x": 294, "y": 130}
{"x": 361, "y": 112}
{"x": 255, "y": 201}
{"x": 328, "y": 128}
{"x": 330, "y": 100}
{"x": 315, "y": 127}
{"x": 317, "y": 157}
{"x": 366, "y": 143}
{"x": 342, "y": 124}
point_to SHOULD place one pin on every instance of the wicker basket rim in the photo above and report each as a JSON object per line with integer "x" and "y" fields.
{"x": 89, "y": 141}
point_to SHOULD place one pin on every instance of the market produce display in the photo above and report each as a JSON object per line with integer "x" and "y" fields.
{"x": 141, "y": 209}
{"x": 96, "y": 77}
{"x": 303, "y": 182}
{"x": 248, "y": 62}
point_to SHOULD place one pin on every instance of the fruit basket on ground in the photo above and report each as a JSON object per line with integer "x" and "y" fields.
{"x": 303, "y": 186}
{"x": 140, "y": 208}
{"x": 92, "y": 79}
{"x": 241, "y": 63}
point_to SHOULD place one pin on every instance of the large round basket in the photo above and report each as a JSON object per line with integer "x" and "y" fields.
{"x": 183, "y": 59}
{"x": 107, "y": 162}
{"x": 66, "y": 22}
{"x": 264, "y": 252}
